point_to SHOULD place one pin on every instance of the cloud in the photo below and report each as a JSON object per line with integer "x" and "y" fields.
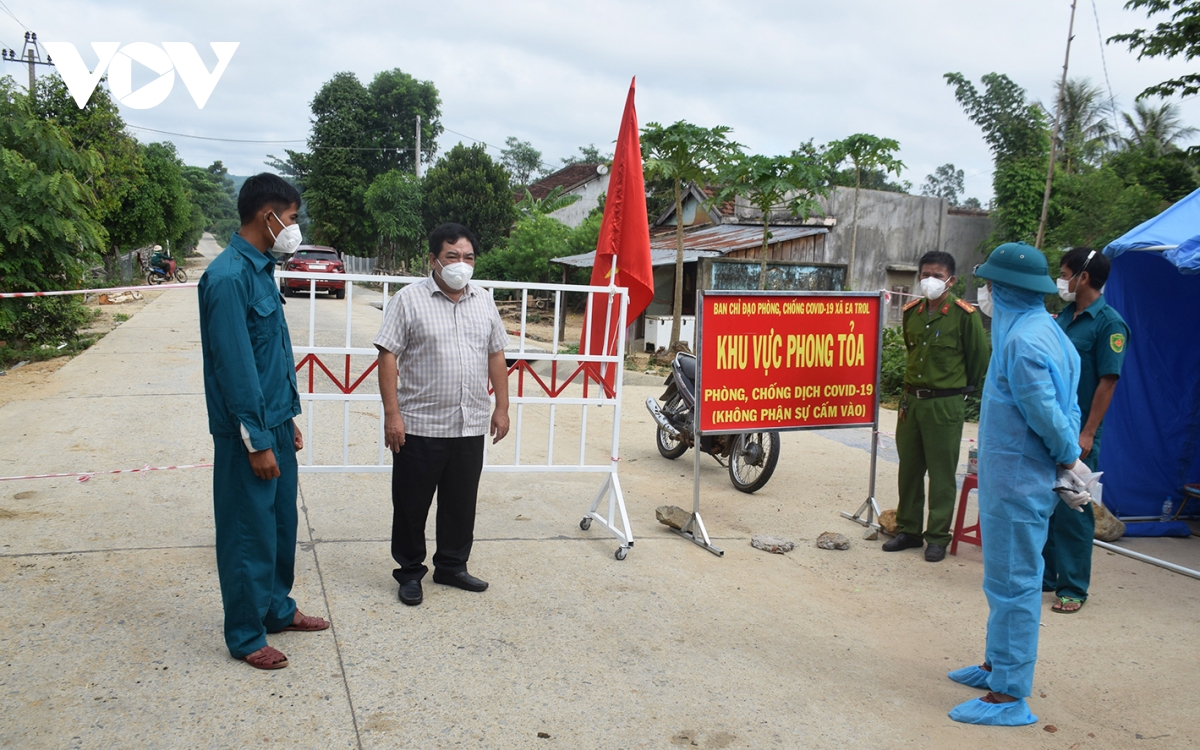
{"x": 555, "y": 73}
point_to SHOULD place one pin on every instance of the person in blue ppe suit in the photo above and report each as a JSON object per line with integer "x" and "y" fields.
{"x": 250, "y": 389}
{"x": 1028, "y": 437}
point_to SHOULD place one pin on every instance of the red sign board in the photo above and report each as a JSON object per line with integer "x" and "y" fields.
{"x": 780, "y": 361}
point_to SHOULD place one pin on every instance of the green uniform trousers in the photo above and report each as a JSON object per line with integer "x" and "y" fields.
{"x": 256, "y": 540}
{"x": 929, "y": 439}
{"x": 1068, "y": 550}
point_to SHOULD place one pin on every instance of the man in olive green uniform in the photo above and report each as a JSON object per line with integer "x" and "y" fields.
{"x": 947, "y": 358}
{"x": 1100, "y": 335}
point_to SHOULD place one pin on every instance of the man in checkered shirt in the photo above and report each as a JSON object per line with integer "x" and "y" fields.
{"x": 440, "y": 343}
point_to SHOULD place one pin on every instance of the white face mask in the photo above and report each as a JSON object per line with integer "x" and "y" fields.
{"x": 456, "y": 275}
{"x": 287, "y": 240}
{"x": 985, "y": 300}
{"x": 1063, "y": 286}
{"x": 932, "y": 288}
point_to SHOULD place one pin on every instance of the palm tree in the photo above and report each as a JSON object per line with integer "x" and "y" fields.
{"x": 1086, "y": 129}
{"x": 1158, "y": 129}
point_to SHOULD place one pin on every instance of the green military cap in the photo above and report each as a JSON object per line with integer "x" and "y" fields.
{"x": 1020, "y": 265}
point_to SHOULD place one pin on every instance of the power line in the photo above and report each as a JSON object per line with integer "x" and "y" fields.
{"x": 247, "y": 140}
{"x": 10, "y": 13}
{"x": 548, "y": 168}
{"x": 1112, "y": 100}
{"x": 209, "y": 138}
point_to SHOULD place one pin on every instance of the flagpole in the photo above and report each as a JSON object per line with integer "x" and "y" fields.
{"x": 612, "y": 290}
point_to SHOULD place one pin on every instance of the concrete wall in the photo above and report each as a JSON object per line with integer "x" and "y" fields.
{"x": 574, "y": 214}
{"x": 894, "y": 229}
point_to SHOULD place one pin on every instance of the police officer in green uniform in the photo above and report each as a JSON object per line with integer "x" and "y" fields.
{"x": 1100, "y": 335}
{"x": 947, "y": 358}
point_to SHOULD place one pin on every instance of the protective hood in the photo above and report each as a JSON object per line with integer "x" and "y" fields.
{"x": 1009, "y": 305}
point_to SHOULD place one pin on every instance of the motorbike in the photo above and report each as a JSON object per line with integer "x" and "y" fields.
{"x": 159, "y": 275}
{"x": 750, "y": 456}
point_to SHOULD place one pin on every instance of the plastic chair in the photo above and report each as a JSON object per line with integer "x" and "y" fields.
{"x": 1190, "y": 492}
{"x": 970, "y": 534}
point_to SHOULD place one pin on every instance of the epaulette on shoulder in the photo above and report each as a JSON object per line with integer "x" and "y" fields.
{"x": 912, "y": 304}
{"x": 965, "y": 305}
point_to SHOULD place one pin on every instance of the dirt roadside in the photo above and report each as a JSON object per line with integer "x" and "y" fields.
{"x": 32, "y": 380}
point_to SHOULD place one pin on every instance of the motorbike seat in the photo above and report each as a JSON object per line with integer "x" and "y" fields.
{"x": 687, "y": 368}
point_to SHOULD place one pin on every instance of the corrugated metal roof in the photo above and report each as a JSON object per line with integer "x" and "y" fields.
{"x": 705, "y": 242}
{"x": 657, "y": 258}
{"x": 727, "y": 238}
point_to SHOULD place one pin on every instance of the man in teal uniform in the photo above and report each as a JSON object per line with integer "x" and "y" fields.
{"x": 250, "y": 389}
{"x": 947, "y": 358}
{"x": 1100, "y": 336}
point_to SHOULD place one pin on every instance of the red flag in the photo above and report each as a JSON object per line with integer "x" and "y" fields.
{"x": 625, "y": 239}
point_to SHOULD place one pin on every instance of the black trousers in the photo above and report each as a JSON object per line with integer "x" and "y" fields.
{"x": 451, "y": 467}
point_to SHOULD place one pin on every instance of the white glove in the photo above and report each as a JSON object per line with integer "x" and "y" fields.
{"x": 1080, "y": 469}
{"x": 1072, "y": 488}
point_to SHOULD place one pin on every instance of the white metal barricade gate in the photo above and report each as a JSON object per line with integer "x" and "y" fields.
{"x": 591, "y": 381}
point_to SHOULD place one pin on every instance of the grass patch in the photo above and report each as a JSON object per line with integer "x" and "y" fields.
{"x": 11, "y": 355}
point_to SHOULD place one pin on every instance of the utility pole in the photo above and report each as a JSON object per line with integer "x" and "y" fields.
{"x": 417, "y": 152}
{"x": 1062, "y": 92}
{"x": 31, "y": 56}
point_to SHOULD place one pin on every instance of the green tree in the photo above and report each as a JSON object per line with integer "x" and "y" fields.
{"x": 211, "y": 193}
{"x": 522, "y": 160}
{"x": 393, "y": 205}
{"x": 771, "y": 183}
{"x": 165, "y": 201}
{"x": 588, "y": 154}
{"x": 466, "y": 186}
{"x": 99, "y": 127}
{"x": 684, "y": 154}
{"x": 1177, "y": 36}
{"x": 1085, "y": 130}
{"x": 396, "y": 99}
{"x": 1156, "y": 130}
{"x": 1168, "y": 176}
{"x": 358, "y": 133}
{"x": 526, "y": 256}
{"x": 336, "y": 170}
{"x": 49, "y": 234}
{"x": 946, "y": 182}
{"x": 554, "y": 200}
{"x": 865, "y": 152}
{"x": 869, "y": 179}
{"x": 1095, "y": 207}
{"x": 1017, "y": 134}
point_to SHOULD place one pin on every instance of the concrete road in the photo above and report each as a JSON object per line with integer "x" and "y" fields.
{"x": 111, "y": 617}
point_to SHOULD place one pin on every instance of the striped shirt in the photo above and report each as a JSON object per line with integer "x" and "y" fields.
{"x": 442, "y": 349}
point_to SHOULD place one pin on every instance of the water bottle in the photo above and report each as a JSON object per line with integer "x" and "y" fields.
{"x": 1167, "y": 510}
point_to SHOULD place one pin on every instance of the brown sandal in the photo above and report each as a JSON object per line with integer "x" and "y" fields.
{"x": 266, "y": 658}
{"x": 305, "y": 624}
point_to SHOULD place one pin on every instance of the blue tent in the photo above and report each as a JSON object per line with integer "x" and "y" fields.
{"x": 1151, "y": 444}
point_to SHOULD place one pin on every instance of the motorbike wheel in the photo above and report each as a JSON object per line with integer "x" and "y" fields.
{"x": 180, "y": 276}
{"x": 153, "y": 278}
{"x": 752, "y": 460}
{"x": 670, "y": 447}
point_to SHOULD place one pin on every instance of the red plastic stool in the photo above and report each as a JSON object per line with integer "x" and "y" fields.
{"x": 970, "y": 534}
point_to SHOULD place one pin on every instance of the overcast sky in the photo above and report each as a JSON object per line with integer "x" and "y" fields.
{"x": 555, "y": 73}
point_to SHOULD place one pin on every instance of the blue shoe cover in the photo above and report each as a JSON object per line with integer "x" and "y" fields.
{"x": 973, "y": 676}
{"x": 1016, "y": 714}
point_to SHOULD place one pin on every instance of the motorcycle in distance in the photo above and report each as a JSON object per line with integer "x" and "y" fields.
{"x": 163, "y": 275}
{"x": 750, "y": 456}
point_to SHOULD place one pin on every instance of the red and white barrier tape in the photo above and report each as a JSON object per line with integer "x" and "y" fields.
{"x": 59, "y": 293}
{"x": 83, "y": 476}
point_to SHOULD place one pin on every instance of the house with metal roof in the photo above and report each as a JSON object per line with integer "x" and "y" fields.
{"x": 588, "y": 181}
{"x": 723, "y": 246}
